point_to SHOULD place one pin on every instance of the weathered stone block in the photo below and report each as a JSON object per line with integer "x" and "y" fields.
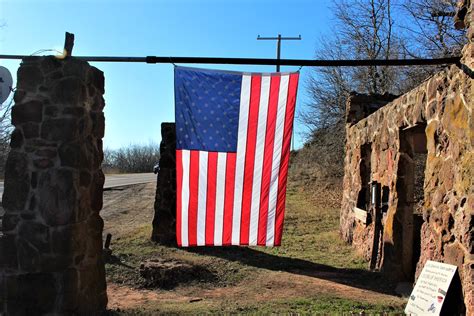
{"x": 31, "y": 111}
{"x": 50, "y": 64}
{"x": 69, "y": 91}
{"x": 35, "y": 234}
{"x": 61, "y": 129}
{"x": 51, "y": 111}
{"x": 24, "y": 296}
{"x": 17, "y": 182}
{"x": 96, "y": 78}
{"x": 29, "y": 78}
{"x": 30, "y": 130}
{"x": 74, "y": 155}
{"x": 16, "y": 140}
{"x": 29, "y": 258}
{"x": 10, "y": 221}
{"x": 85, "y": 179}
{"x": 74, "y": 111}
{"x": 96, "y": 190}
{"x": 46, "y": 153}
{"x": 58, "y": 197}
{"x": 98, "y": 124}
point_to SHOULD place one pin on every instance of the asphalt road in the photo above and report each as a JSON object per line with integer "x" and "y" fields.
{"x": 120, "y": 180}
{"x": 117, "y": 180}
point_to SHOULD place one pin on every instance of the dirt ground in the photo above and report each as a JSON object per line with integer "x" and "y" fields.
{"x": 312, "y": 272}
{"x": 126, "y": 208}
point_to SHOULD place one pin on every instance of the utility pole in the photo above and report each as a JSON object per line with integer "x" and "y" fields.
{"x": 278, "y": 39}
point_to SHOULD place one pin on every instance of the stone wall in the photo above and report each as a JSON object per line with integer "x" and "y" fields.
{"x": 443, "y": 109}
{"x": 50, "y": 252}
{"x": 164, "y": 222}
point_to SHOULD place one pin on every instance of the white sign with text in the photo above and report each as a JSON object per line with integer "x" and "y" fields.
{"x": 431, "y": 288}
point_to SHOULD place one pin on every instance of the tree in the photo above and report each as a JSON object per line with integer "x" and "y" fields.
{"x": 429, "y": 33}
{"x": 5, "y": 132}
{"x": 134, "y": 158}
{"x": 364, "y": 29}
{"x": 369, "y": 29}
{"x": 431, "y": 30}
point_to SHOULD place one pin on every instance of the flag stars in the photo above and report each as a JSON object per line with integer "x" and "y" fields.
{"x": 208, "y": 110}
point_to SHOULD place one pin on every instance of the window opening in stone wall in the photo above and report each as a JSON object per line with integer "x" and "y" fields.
{"x": 363, "y": 199}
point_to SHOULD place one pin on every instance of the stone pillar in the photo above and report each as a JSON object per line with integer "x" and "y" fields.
{"x": 164, "y": 222}
{"x": 50, "y": 252}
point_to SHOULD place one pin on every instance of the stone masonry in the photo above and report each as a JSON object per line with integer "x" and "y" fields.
{"x": 50, "y": 252}
{"x": 164, "y": 222}
{"x": 381, "y": 149}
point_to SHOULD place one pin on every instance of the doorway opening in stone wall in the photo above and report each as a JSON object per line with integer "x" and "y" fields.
{"x": 363, "y": 199}
{"x": 410, "y": 194}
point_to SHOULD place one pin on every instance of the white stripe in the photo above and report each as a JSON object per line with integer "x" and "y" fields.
{"x": 279, "y": 129}
{"x": 240, "y": 157}
{"x": 185, "y": 198}
{"x": 258, "y": 166}
{"x": 202, "y": 197}
{"x": 220, "y": 197}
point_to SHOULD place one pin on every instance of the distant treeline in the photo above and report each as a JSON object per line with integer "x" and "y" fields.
{"x": 131, "y": 159}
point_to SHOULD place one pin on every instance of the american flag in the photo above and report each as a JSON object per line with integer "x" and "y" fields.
{"x": 233, "y": 145}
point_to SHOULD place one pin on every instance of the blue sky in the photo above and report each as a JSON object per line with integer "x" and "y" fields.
{"x": 140, "y": 96}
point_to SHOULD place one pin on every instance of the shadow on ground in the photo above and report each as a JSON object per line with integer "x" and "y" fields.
{"x": 363, "y": 279}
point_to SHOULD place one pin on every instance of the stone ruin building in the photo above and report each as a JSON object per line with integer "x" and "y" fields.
{"x": 409, "y": 177}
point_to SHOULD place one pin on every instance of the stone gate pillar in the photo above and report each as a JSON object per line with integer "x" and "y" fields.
{"x": 50, "y": 252}
{"x": 164, "y": 222}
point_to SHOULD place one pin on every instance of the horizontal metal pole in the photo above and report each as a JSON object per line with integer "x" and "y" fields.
{"x": 262, "y": 61}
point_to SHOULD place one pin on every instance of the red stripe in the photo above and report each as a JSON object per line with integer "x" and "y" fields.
{"x": 250, "y": 159}
{"x": 211, "y": 197}
{"x": 268, "y": 159}
{"x": 179, "y": 190}
{"x": 285, "y": 156}
{"x": 229, "y": 199}
{"x": 193, "y": 197}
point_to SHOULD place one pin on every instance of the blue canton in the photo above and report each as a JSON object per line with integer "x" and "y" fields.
{"x": 207, "y": 106}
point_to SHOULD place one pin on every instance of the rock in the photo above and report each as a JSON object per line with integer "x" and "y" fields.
{"x": 31, "y": 111}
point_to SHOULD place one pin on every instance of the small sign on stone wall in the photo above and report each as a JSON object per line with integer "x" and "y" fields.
{"x": 430, "y": 289}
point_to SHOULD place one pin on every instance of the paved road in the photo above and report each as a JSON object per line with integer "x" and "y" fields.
{"x": 117, "y": 180}
{"x": 120, "y": 180}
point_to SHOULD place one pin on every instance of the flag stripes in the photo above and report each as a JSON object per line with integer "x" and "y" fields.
{"x": 238, "y": 198}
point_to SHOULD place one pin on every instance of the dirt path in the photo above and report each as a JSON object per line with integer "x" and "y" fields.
{"x": 125, "y": 208}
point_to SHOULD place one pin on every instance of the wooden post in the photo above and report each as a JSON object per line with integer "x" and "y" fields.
{"x": 68, "y": 45}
